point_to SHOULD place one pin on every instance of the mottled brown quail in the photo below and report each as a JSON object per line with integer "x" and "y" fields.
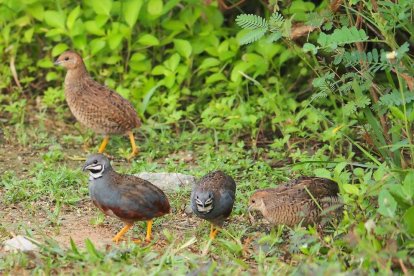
{"x": 302, "y": 201}
{"x": 95, "y": 105}
{"x": 126, "y": 197}
{"x": 212, "y": 199}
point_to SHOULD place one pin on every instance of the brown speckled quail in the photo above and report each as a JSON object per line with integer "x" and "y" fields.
{"x": 297, "y": 202}
{"x": 213, "y": 197}
{"x": 126, "y": 197}
{"x": 95, "y": 105}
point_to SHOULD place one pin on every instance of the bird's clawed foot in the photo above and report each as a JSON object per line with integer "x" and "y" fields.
{"x": 149, "y": 230}
{"x": 135, "y": 149}
{"x": 118, "y": 237}
{"x": 133, "y": 154}
{"x": 213, "y": 232}
{"x": 103, "y": 144}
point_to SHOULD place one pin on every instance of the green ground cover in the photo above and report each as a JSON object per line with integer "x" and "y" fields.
{"x": 299, "y": 88}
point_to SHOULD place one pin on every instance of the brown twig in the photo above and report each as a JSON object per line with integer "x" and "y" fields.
{"x": 335, "y": 5}
{"x": 14, "y": 72}
{"x": 223, "y": 5}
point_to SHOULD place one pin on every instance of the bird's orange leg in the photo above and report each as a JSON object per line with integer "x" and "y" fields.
{"x": 121, "y": 233}
{"x": 135, "y": 149}
{"x": 213, "y": 232}
{"x": 149, "y": 230}
{"x": 103, "y": 144}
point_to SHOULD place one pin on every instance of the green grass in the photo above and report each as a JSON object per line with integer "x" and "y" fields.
{"x": 241, "y": 248}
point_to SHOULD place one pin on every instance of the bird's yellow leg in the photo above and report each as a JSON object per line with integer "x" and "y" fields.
{"x": 213, "y": 232}
{"x": 149, "y": 230}
{"x": 135, "y": 149}
{"x": 103, "y": 144}
{"x": 122, "y": 233}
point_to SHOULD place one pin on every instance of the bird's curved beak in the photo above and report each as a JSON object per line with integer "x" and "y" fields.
{"x": 57, "y": 62}
{"x": 249, "y": 213}
{"x": 86, "y": 167}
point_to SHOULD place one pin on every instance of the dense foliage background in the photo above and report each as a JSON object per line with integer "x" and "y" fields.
{"x": 320, "y": 88}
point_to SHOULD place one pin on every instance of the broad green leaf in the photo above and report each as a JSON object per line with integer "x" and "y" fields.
{"x": 130, "y": 10}
{"x": 37, "y": 11}
{"x": 409, "y": 184}
{"x": 397, "y": 113}
{"x": 155, "y": 7}
{"x": 97, "y": 45}
{"x": 73, "y": 15}
{"x": 112, "y": 59}
{"x": 169, "y": 80}
{"x": 147, "y": 98}
{"x": 172, "y": 62}
{"x": 51, "y": 76}
{"x": 59, "y": 48}
{"x": 28, "y": 35}
{"x": 183, "y": 47}
{"x": 148, "y": 40}
{"x": 159, "y": 70}
{"x": 102, "y": 6}
{"x": 309, "y": 47}
{"x": 138, "y": 57}
{"x": 55, "y": 19}
{"x": 114, "y": 40}
{"x": 215, "y": 77}
{"x": 238, "y": 69}
{"x": 93, "y": 28}
{"x": 22, "y": 21}
{"x": 80, "y": 42}
{"x": 350, "y": 189}
{"x": 44, "y": 63}
{"x": 209, "y": 62}
{"x": 408, "y": 219}
{"x": 387, "y": 204}
{"x": 173, "y": 25}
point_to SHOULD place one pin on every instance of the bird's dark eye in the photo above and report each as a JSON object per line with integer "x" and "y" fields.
{"x": 196, "y": 197}
{"x": 253, "y": 201}
{"x": 95, "y": 162}
{"x": 66, "y": 58}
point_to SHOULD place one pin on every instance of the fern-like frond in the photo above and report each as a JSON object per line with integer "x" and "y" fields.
{"x": 325, "y": 85}
{"x": 275, "y": 36}
{"x": 319, "y": 95}
{"x": 349, "y": 108}
{"x": 341, "y": 37}
{"x": 374, "y": 59}
{"x": 395, "y": 98}
{"x": 251, "y": 22}
{"x": 252, "y": 36}
{"x": 276, "y": 22}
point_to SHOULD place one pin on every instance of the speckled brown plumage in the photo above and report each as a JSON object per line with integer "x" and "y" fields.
{"x": 95, "y": 105}
{"x": 291, "y": 204}
{"x": 126, "y": 197}
{"x": 213, "y": 197}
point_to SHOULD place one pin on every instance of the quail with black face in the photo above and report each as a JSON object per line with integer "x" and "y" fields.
{"x": 212, "y": 199}
{"x": 126, "y": 197}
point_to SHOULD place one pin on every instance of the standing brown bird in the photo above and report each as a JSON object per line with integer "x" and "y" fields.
{"x": 95, "y": 105}
{"x": 305, "y": 200}
{"x": 126, "y": 197}
{"x": 213, "y": 197}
